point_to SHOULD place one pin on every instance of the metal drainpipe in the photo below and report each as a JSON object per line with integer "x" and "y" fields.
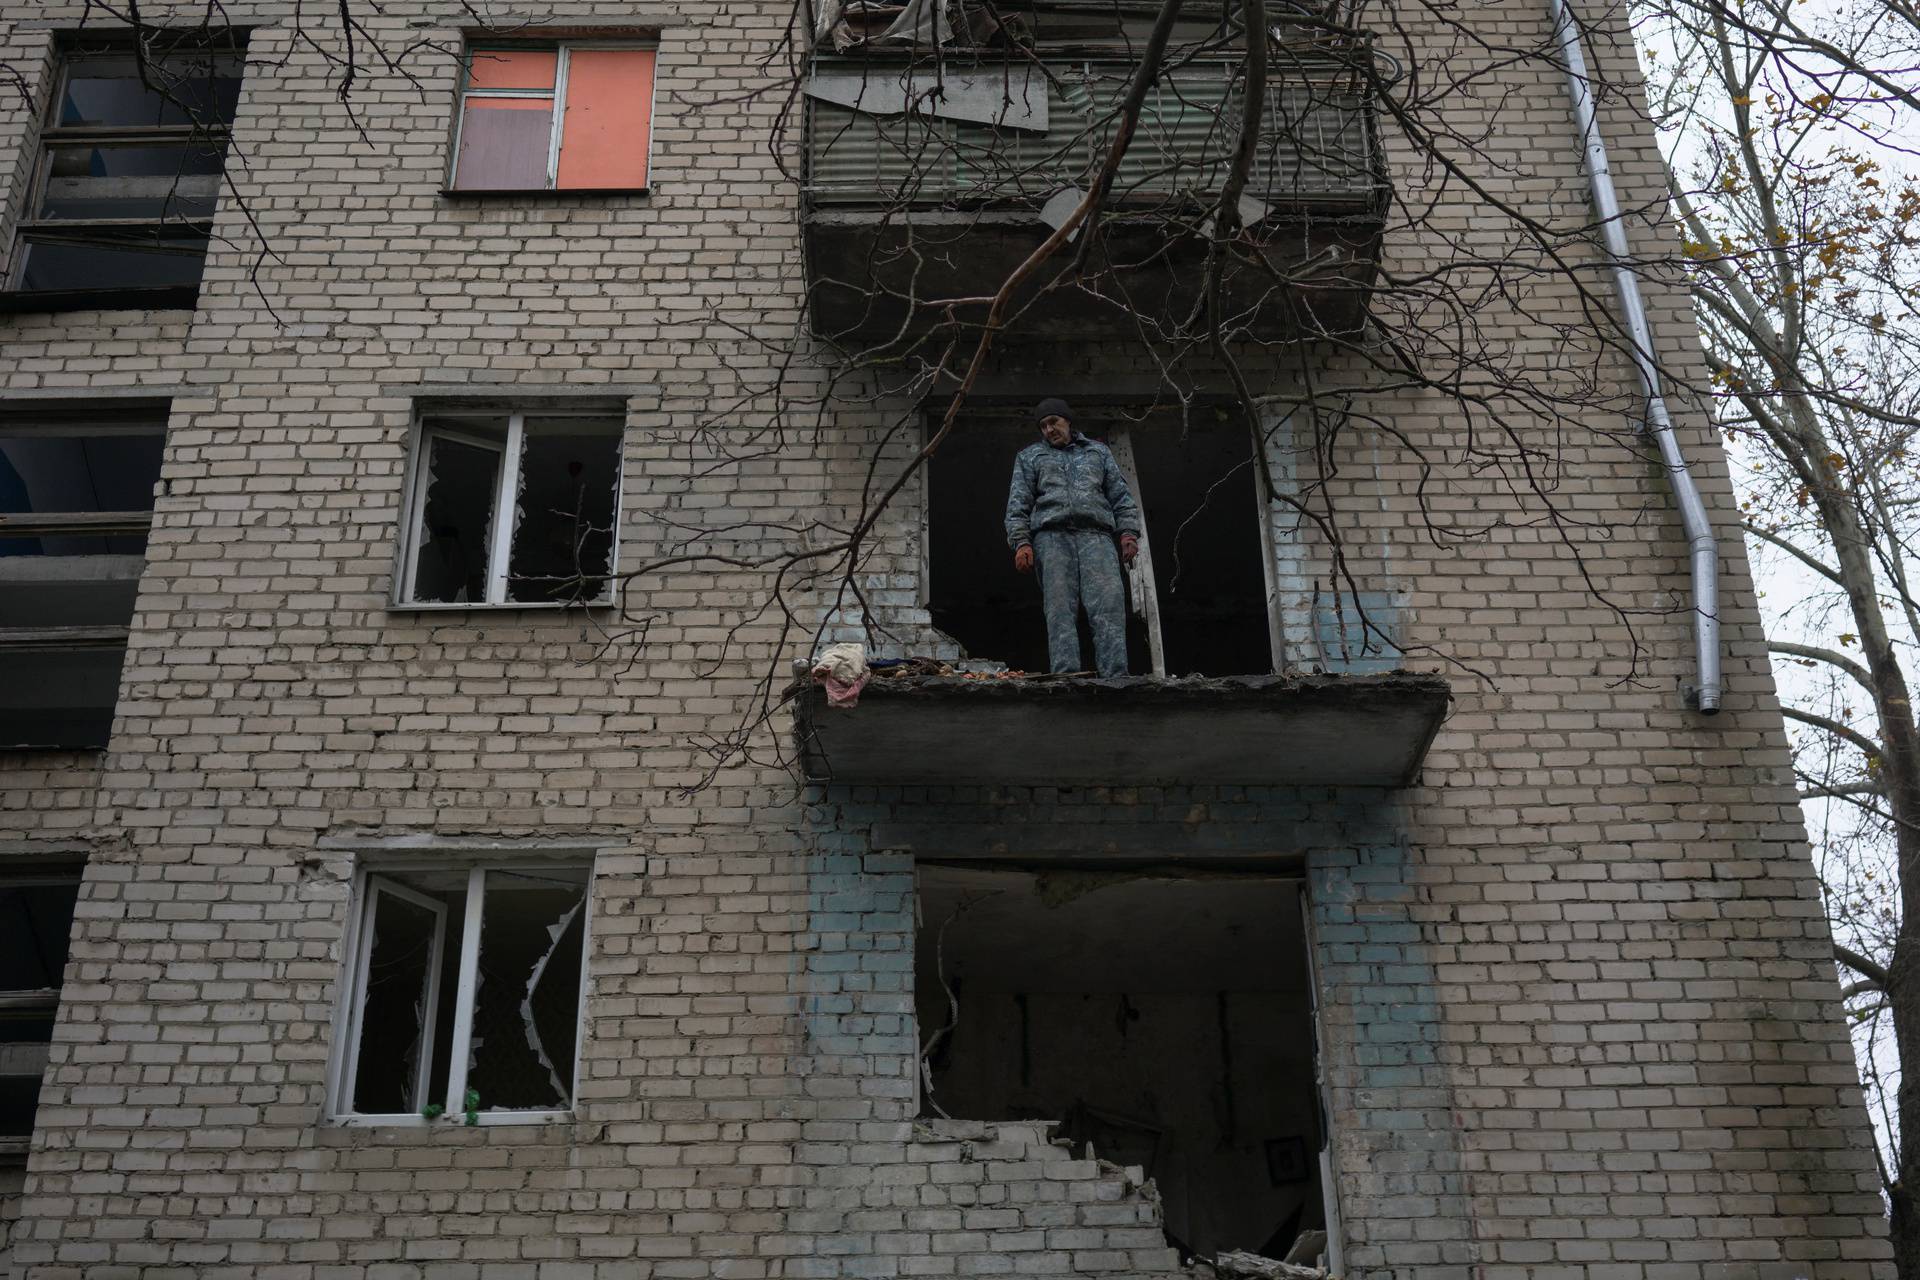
{"x": 1703, "y": 550}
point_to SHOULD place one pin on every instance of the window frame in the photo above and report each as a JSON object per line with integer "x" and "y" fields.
{"x": 96, "y": 231}
{"x": 134, "y": 420}
{"x": 500, "y": 534}
{"x": 563, "y": 51}
{"x": 372, "y": 879}
{"x": 57, "y": 869}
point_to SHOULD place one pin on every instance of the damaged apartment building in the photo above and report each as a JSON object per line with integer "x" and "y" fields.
{"x": 424, "y": 850}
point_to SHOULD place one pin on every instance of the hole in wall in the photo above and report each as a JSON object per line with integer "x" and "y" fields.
{"x": 1163, "y": 1022}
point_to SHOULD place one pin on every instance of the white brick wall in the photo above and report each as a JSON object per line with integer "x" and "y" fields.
{"x": 1596, "y": 913}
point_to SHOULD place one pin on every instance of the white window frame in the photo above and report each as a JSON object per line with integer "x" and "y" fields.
{"x": 505, "y": 500}
{"x": 343, "y": 1061}
{"x": 558, "y": 94}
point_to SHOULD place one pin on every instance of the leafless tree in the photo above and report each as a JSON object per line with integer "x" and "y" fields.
{"x": 1787, "y": 127}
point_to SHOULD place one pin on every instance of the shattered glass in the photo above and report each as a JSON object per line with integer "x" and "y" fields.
{"x": 197, "y": 87}
{"x": 397, "y": 1017}
{"x": 569, "y": 481}
{"x": 456, "y": 521}
{"x": 78, "y": 471}
{"x": 132, "y": 180}
{"x": 526, "y": 1012}
{"x": 35, "y": 920}
{"x": 92, "y": 257}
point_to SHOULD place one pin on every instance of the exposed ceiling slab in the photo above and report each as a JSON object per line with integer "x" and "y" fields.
{"x": 1361, "y": 731}
{"x": 1058, "y": 929}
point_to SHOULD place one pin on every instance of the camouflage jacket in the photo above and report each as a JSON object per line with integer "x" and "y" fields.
{"x": 1075, "y": 487}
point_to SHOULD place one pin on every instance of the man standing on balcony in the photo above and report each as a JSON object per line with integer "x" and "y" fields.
{"x": 1067, "y": 505}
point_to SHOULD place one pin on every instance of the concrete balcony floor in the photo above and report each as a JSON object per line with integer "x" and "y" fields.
{"x": 1277, "y": 730}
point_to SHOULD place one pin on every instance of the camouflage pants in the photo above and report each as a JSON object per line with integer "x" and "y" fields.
{"x": 1080, "y": 570}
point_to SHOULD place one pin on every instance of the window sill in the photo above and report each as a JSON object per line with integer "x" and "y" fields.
{"x": 167, "y": 298}
{"x": 52, "y": 749}
{"x": 487, "y": 1120}
{"x": 505, "y": 606}
{"x": 498, "y": 193}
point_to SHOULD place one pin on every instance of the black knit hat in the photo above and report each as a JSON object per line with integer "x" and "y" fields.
{"x": 1051, "y": 408}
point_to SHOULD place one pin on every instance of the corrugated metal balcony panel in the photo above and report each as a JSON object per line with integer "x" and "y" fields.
{"x": 1316, "y": 144}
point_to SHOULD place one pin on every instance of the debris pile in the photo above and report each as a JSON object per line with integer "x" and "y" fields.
{"x": 1301, "y": 1263}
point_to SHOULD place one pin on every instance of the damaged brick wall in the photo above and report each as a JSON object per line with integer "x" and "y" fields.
{"x": 1579, "y": 1011}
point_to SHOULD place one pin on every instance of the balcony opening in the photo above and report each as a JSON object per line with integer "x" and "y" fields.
{"x": 1199, "y": 589}
{"x": 1163, "y": 1022}
{"x": 37, "y": 902}
{"x": 76, "y": 501}
{"x": 132, "y": 149}
{"x": 927, "y": 174}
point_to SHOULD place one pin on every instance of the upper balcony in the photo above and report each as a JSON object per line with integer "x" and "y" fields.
{"x": 929, "y": 180}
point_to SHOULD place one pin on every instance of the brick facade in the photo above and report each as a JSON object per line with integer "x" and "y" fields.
{"x": 1580, "y": 1015}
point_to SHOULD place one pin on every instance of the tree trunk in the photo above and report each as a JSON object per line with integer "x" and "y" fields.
{"x": 1898, "y": 766}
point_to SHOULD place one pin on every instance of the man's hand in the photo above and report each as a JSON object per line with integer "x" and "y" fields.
{"x": 1129, "y": 548}
{"x": 1023, "y": 559}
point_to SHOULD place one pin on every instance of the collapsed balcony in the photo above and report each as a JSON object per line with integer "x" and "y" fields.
{"x": 929, "y": 181}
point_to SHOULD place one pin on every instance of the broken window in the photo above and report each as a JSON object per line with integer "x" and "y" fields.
{"x": 76, "y": 501}
{"x": 1163, "y": 1021}
{"x": 554, "y": 117}
{"x": 1199, "y": 588}
{"x": 36, "y": 918}
{"x": 465, "y": 991}
{"x": 130, "y": 169}
{"x": 513, "y": 510}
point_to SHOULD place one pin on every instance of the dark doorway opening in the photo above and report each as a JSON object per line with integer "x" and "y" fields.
{"x": 974, "y": 594}
{"x": 1164, "y": 1022}
{"x": 1195, "y": 484}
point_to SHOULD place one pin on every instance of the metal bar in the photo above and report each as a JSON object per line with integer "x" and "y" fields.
{"x": 1323, "y": 1092}
{"x": 360, "y": 948}
{"x": 62, "y": 637}
{"x": 30, "y": 524}
{"x": 1141, "y": 583}
{"x": 1703, "y": 548}
{"x": 47, "y": 999}
{"x": 506, "y": 511}
{"x": 133, "y": 135}
{"x": 561, "y": 65}
{"x": 469, "y": 987}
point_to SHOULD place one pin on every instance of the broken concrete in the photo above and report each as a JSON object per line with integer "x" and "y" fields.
{"x": 1282, "y": 730}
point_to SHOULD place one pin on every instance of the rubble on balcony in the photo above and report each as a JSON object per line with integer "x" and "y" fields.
{"x": 919, "y": 721}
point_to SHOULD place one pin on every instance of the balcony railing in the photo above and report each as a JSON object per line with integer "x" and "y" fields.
{"x": 1316, "y": 145}
{"x": 968, "y": 159}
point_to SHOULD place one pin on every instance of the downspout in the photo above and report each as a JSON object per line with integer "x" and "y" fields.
{"x": 1702, "y": 549}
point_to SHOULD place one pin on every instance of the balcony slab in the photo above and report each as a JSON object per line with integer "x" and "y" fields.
{"x": 883, "y": 275}
{"x": 1287, "y": 730}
